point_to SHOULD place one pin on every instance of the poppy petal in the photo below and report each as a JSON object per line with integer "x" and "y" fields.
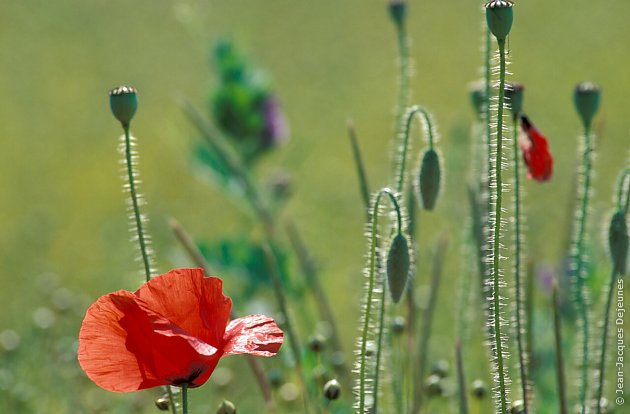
{"x": 123, "y": 347}
{"x": 191, "y": 301}
{"x": 254, "y": 334}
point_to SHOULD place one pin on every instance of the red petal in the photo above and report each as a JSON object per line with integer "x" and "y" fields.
{"x": 191, "y": 301}
{"x": 125, "y": 347}
{"x": 253, "y": 334}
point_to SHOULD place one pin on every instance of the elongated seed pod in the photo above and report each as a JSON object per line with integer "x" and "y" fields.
{"x": 429, "y": 179}
{"x": 398, "y": 266}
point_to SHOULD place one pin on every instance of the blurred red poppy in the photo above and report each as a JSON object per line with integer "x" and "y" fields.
{"x": 536, "y": 153}
{"x": 171, "y": 331}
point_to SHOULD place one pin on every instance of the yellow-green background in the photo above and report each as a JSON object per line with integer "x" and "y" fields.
{"x": 61, "y": 205}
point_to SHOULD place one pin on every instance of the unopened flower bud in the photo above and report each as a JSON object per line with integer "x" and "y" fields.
{"x": 316, "y": 343}
{"x": 514, "y": 97}
{"x": 587, "y": 97}
{"x": 433, "y": 386}
{"x": 398, "y": 266}
{"x": 518, "y": 407}
{"x": 399, "y": 324}
{"x": 163, "y": 403}
{"x": 123, "y": 101}
{"x": 478, "y": 98}
{"x": 226, "y": 407}
{"x": 429, "y": 179}
{"x": 499, "y": 16}
{"x": 440, "y": 368}
{"x": 479, "y": 389}
{"x": 332, "y": 390}
{"x": 618, "y": 241}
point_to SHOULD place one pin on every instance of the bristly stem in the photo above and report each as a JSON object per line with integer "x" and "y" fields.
{"x": 358, "y": 161}
{"x": 602, "y": 357}
{"x": 496, "y": 243}
{"x": 518, "y": 274}
{"x": 135, "y": 204}
{"x": 370, "y": 291}
{"x": 404, "y": 81}
{"x": 557, "y": 328}
{"x": 405, "y": 132}
{"x": 578, "y": 266}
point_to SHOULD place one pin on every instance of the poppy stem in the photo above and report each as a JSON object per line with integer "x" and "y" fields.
{"x": 135, "y": 202}
{"x": 557, "y": 321}
{"x": 185, "y": 398}
{"x": 358, "y": 161}
{"x": 578, "y": 259}
{"x": 496, "y": 321}
{"x": 407, "y": 119}
{"x": 371, "y": 287}
{"x": 518, "y": 274}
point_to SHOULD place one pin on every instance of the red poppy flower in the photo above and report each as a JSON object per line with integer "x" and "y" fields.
{"x": 171, "y": 331}
{"x": 536, "y": 153}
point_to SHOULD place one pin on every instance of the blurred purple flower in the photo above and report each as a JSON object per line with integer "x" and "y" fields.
{"x": 545, "y": 275}
{"x": 276, "y": 129}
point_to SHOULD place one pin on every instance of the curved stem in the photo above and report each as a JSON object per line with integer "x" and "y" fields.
{"x": 135, "y": 204}
{"x": 404, "y": 76}
{"x": 497, "y": 236}
{"x": 518, "y": 274}
{"x": 624, "y": 185}
{"x": 578, "y": 266}
{"x": 370, "y": 290}
{"x": 602, "y": 357}
{"x": 405, "y": 132}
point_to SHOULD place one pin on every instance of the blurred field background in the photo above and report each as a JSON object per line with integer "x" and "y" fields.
{"x": 62, "y": 208}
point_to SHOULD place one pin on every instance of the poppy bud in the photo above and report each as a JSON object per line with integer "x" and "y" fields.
{"x": 429, "y": 179}
{"x": 433, "y": 386}
{"x": 586, "y": 97}
{"x": 398, "y": 266}
{"x": 618, "y": 241}
{"x": 398, "y": 324}
{"x": 398, "y": 11}
{"x": 163, "y": 403}
{"x": 518, "y": 407}
{"x": 440, "y": 368}
{"x": 332, "y": 390}
{"x": 499, "y": 16}
{"x": 514, "y": 97}
{"x": 275, "y": 377}
{"x": 226, "y": 407}
{"x": 316, "y": 343}
{"x": 123, "y": 101}
{"x": 479, "y": 389}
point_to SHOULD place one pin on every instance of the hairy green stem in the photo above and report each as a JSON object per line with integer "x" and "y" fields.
{"x": 496, "y": 251}
{"x": 135, "y": 204}
{"x": 404, "y": 76}
{"x": 407, "y": 119}
{"x": 557, "y": 328}
{"x": 370, "y": 290}
{"x": 578, "y": 265}
{"x": 602, "y": 358}
{"x": 358, "y": 161}
{"x": 518, "y": 275}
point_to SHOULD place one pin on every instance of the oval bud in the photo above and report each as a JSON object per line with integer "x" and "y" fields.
{"x": 479, "y": 389}
{"x": 499, "y": 16}
{"x": 518, "y": 407}
{"x": 398, "y": 266}
{"x": 316, "y": 343}
{"x": 429, "y": 179}
{"x": 123, "y": 101}
{"x": 586, "y": 98}
{"x": 332, "y": 390}
{"x": 514, "y": 97}
{"x": 478, "y": 98}
{"x": 226, "y": 407}
{"x": 433, "y": 385}
{"x": 618, "y": 241}
{"x": 163, "y": 403}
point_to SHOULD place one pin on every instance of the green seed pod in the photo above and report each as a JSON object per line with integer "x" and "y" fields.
{"x": 618, "y": 241}
{"x": 163, "y": 403}
{"x": 514, "y": 97}
{"x": 226, "y": 407}
{"x": 429, "y": 179}
{"x": 124, "y": 102}
{"x": 586, "y": 98}
{"x": 332, "y": 390}
{"x": 398, "y": 11}
{"x": 398, "y": 266}
{"x": 478, "y": 98}
{"x": 499, "y": 16}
